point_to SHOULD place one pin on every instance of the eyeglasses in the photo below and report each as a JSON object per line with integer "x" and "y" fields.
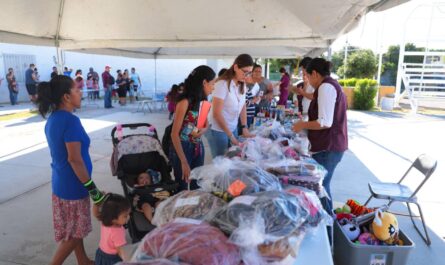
{"x": 246, "y": 72}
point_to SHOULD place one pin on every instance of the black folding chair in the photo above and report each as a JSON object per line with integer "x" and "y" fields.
{"x": 397, "y": 192}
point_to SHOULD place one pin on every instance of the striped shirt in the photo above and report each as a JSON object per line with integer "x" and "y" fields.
{"x": 250, "y": 105}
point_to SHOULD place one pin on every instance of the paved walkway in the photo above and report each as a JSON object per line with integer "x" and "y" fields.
{"x": 381, "y": 145}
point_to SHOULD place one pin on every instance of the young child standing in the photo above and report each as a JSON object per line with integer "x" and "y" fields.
{"x": 114, "y": 214}
{"x": 89, "y": 84}
{"x": 95, "y": 88}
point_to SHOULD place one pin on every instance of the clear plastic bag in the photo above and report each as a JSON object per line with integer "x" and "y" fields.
{"x": 188, "y": 241}
{"x": 235, "y": 177}
{"x": 305, "y": 172}
{"x": 258, "y": 148}
{"x": 262, "y": 224}
{"x": 273, "y": 130}
{"x": 152, "y": 262}
{"x": 195, "y": 204}
{"x": 310, "y": 201}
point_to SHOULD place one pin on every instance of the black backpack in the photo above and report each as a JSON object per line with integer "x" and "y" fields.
{"x": 167, "y": 139}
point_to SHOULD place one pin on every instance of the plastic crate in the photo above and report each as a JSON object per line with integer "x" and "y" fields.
{"x": 348, "y": 253}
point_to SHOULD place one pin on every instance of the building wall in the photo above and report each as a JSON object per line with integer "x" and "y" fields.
{"x": 169, "y": 71}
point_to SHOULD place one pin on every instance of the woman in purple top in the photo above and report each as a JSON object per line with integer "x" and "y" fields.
{"x": 327, "y": 125}
{"x": 284, "y": 83}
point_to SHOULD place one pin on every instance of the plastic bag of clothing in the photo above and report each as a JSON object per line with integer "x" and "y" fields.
{"x": 310, "y": 201}
{"x": 190, "y": 241}
{"x": 152, "y": 262}
{"x": 258, "y": 149}
{"x": 194, "y": 204}
{"x": 234, "y": 177}
{"x": 305, "y": 173}
{"x": 270, "y": 129}
{"x": 263, "y": 224}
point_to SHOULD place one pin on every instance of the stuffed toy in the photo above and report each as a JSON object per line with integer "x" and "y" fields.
{"x": 368, "y": 239}
{"x": 347, "y": 216}
{"x": 345, "y": 209}
{"x": 357, "y": 208}
{"x": 351, "y": 230}
{"x": 385, "y": 227}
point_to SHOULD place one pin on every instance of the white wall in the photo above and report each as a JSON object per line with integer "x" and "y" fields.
{"x": 169, "y": 71}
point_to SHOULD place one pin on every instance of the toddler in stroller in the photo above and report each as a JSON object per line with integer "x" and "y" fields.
{"x": 147, "y": 202}
{"x": 133, "y": 155}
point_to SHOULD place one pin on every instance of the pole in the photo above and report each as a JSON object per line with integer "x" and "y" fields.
{"x": 330, "y": 51}
{"x": 60, "y": 61}
{"x": 156, "y": 75}
{"x": 266, "y": 69}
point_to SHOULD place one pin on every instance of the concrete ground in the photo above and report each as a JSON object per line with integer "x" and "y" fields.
{"x": 382, "y": 146}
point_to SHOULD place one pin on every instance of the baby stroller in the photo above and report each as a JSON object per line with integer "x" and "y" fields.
{"x": 133, "y": 154}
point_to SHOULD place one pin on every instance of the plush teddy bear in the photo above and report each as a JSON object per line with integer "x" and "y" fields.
{"x": 385, "y": 227}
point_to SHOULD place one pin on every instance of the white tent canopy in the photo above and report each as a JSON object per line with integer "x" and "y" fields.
{"x": 184, "y": 28}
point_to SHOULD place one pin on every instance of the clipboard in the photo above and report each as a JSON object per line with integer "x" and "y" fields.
{"x": 204, "y": 108}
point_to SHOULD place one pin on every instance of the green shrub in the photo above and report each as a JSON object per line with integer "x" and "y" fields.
{"x": 364, "y": 93}
{"x": 351, "y": 82}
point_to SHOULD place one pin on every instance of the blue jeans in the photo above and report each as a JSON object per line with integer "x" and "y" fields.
{"x": 219, "y": 142}
{"x": 329, "y": 160}
{"x": 249, "y": 121}
{"x": 13, "y": 96}
{"x": 107, "y": 98}
{"x": 194, "y": 154}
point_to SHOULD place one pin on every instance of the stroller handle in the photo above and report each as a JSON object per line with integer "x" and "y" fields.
{"x": 132, "y": 126}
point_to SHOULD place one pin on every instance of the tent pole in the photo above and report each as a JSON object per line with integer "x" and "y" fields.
{"x": 60, "y": 60}
{"x": 156, "y": 75}
{"x": 156, "y": 68}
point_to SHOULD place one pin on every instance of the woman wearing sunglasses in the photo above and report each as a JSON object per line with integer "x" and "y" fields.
{"x": 229, "y": 105}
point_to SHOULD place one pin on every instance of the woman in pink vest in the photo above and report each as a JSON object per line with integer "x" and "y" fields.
{"x": 327, "y": 125}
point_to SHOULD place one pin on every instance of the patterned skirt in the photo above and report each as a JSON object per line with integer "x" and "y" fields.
{"x": 71, "y": 218}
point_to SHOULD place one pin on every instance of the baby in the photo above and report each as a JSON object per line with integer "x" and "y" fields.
{"x": 147, "y": 202}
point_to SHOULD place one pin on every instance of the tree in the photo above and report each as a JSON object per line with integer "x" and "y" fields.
{"x": 276, "y": 64}
{"x": 391, "y": 60}
{"x": 338, "y": 57}
{"x": 361, "y": 64}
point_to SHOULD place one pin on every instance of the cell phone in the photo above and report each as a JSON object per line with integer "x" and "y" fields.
{"x": 261, "y": 93}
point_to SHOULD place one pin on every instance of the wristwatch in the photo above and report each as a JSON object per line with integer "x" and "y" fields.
{"x": 243, "y": 126}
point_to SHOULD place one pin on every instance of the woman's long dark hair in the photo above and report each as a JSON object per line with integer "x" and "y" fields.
{"x": 173, "y": 93}
{"x": 50, "y": 94}
{"x": 194, "y": 88}
{"x": 320, "y": 66}
{"x": 243, "y": 60}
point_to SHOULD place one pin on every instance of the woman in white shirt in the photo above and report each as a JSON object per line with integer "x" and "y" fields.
{"x": 327, "y": 125}
{"x": 229, "y": 105}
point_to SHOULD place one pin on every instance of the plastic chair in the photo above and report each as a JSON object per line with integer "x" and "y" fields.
{"x": 159, "y": 98}
{"x": 398, "y": 192}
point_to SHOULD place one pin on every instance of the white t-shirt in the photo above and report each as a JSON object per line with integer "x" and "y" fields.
{"x": 233, "y": 104}
{"x": 306, "y": 102}
{"x": 327, "y": 96}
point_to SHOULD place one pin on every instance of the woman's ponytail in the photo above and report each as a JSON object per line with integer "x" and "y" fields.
{"x": 50, "y": 94}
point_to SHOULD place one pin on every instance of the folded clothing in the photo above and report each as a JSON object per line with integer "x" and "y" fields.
{"x": 235, "y": 177}
{"x": 189, "y": 241}
{"x": 194, "y": 204}
{"x": 280, "y": 213}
